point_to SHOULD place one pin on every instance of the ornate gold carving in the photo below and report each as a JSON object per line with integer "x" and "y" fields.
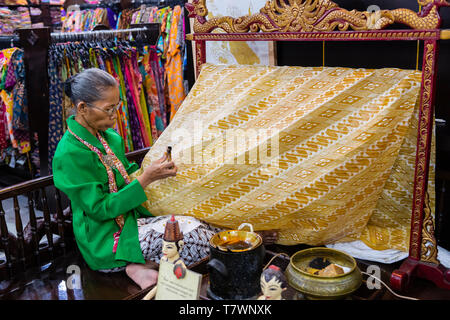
{"x": 243, "y": 24}
{"x": 429, "y": 247}
{"x": 423, "y": 35}
{"x": 314, "y": 16}
{"x": 422, "y": 150}
{"x": 311, "y": 15}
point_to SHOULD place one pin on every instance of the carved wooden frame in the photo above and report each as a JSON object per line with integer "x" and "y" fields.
{"x": 323, "y": 20}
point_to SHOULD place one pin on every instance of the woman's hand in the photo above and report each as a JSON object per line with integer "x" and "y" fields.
{"x": 159, "y": 169}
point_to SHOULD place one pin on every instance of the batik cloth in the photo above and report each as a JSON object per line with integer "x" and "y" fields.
{"x": 174, "y": 64}
{"x": 55, "y": 121}
{"x": 8, "y": 103}
{"x": 20, "y": 103}
{"x": 322, "y": 154}
{"x": 3, "y": 127}
{"x": 13, "y": 99}
{"x": 7, "y": 81}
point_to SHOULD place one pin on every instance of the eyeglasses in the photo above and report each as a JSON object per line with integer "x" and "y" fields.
{"x": 109, "y": 112}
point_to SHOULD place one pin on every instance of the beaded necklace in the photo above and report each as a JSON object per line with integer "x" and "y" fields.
{"x": 110, "y": 161}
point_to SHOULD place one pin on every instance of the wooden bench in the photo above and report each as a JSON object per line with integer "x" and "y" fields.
{"x": 33, "y": 268}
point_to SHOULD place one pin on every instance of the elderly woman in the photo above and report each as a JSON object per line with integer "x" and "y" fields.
{"x": 113, "y": 231}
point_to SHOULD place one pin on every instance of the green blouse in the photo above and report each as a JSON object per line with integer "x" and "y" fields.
{"x": 78, "y": 172}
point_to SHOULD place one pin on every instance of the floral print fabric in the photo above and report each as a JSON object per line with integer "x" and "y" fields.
{"x": 14, "y": 127}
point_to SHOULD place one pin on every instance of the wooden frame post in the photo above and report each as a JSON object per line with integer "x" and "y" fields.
{"x": 35, "y": 43}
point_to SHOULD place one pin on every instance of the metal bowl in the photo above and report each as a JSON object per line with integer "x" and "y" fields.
{"x": 320, "y": 287}
{"x": 226, "y": 240}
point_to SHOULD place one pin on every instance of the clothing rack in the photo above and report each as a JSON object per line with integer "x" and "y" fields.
{"x": 101, "y": 34}
{"x": 9, "y": 41}
{"x": 35, "y": 43}
{"x": 123, "y": 4}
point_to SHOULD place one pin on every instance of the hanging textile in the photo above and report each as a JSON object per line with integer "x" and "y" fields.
{"x": 171, "y": 46}
{"x": 138, "y": 73}
{"x": 340, "y": 163}
{"x": 174, "y": 62}
{"x": 20, "y": 105}
{"x": 56, "y": 119}
{"x": 14, "y": 127}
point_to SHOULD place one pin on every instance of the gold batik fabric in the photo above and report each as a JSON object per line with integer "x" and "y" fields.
{"x": 322, "y": 154}
{"x": 390, "y": 224}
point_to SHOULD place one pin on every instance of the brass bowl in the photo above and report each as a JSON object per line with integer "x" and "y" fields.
{"x": 236, "y": 240}
{"x": 320, "y": 287}
{"x": 224, "y": 240}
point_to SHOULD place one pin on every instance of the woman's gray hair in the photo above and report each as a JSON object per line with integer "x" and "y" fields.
{"x": 88, "y": 86}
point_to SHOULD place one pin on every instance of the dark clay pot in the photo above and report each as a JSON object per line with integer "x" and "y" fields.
{"x": 235, "y": 275}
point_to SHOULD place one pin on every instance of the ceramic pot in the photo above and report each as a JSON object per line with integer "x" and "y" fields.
{"x": 320, "y": 287}
{"x": 234, "y": 271}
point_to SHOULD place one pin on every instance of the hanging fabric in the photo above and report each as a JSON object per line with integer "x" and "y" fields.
{"x": 14, "y": 128}
{"x": 55, "y": 122}
{"x": 174, "y": 75}
{"x": 171, "y": 50}
{"x": 138, "y": 71}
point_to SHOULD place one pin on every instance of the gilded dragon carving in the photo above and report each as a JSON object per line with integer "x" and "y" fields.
{"x": 315, "y": 16}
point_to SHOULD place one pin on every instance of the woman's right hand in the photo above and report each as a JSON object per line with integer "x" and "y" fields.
{"x": 157, "y": 170}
